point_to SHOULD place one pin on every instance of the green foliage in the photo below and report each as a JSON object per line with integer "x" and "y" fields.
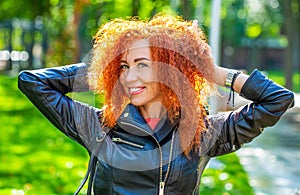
{"x": 22, "y": 9}
{"x": 35, "y": 158}
{"x": 278, "y": 77}
{"x": 70, "y": 25}
{"x": 229, "y": 179}
{"x": 251, "y": 19}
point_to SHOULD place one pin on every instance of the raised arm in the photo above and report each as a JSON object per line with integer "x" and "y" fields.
{"x": 269, "y": 103}
{"x": 47, "y": 89}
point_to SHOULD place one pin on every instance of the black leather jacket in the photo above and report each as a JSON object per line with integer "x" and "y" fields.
{"x": 133, "y": 159}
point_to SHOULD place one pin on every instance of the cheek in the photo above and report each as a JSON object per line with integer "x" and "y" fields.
{"x": 122, "y": 85}
{"x": 151, "y": 76}
{"x": 122, "y": 79}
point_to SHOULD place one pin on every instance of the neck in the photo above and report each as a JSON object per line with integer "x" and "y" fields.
{"x": 155, "y": 110}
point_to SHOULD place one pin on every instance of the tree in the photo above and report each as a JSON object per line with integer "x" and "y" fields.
{"x": 292, "y": 31}
{"x": 78, "y": 9}
{"x": 136, "y": 4}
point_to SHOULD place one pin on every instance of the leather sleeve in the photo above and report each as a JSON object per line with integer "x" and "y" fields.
{"x": 47, "y": 89}
{"x": 269, "y": 101}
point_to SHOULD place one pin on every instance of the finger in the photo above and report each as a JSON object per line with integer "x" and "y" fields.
{"x": 195, "y": 24}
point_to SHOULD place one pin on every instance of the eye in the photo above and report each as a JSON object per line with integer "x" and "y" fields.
{"x": 142, "y": 65}
{"x": 124, "y": 67}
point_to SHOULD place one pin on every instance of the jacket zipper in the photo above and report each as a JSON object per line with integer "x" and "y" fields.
{"x": 162, "y": 182}
{"x": 116, "y": 139}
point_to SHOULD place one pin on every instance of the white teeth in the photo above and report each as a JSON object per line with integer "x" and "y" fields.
{"x": 132, "y": 90}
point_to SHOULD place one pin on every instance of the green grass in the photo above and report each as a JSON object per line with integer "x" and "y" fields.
{"x": 35, "y": 158}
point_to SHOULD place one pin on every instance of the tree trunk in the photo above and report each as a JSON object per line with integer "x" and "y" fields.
{"x": 291, "y": 25}
{"x": 186, "y": 8}
{"x": 78, "y": 7}
{"x": 135, "y": 7}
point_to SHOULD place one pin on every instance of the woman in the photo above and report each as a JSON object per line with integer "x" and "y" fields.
{"x": 153, "y": 135}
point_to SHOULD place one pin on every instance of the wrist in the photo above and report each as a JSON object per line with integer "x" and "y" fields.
{"x": 230, "y": 78}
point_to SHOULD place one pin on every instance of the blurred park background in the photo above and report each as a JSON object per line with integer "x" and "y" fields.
{"x": 244, "y": 34}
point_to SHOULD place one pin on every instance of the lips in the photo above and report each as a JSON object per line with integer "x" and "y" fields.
{"x": 136, "y": 90}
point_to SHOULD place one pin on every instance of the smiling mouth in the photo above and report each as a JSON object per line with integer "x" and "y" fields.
{"x": 136, "y": 90}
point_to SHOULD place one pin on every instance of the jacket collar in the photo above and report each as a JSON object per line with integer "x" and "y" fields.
{"x": 133, "y": 122}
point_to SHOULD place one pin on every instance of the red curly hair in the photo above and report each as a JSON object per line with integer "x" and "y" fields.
{"x": 184, "y": 60}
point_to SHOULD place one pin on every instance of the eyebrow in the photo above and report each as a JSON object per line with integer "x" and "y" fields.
{"x": 140, "y": 59}
{"x": 137, "y": 59}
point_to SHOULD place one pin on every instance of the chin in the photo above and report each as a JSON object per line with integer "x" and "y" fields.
{"x": 137, "y": 102}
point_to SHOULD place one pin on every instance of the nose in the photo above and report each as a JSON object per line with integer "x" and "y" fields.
{"x": 131, "y": 75}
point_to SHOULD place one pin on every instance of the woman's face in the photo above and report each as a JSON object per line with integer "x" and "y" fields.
{"x": 138, "y": 76}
